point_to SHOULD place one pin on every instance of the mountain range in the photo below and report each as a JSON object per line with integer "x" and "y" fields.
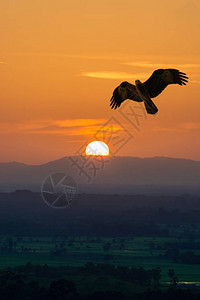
{"x": 107, "y": 174}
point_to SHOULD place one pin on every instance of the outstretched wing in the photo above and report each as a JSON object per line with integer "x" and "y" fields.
{"x": 160, "y": 79}
{"x": 123, "y": 92}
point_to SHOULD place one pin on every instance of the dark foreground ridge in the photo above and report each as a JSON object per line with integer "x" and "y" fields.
{"x": 89, "y": 282}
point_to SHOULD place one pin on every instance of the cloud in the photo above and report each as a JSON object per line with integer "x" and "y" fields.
{"x": 17, "y": 127}
{"x": 143, "y": 75}
{"x": 114, "y": 75}
{"x": 71, "y": 127}
{"x": 194, "y": 81}
{"x": 68, "y": 127}
{"x": 78, "y": 122}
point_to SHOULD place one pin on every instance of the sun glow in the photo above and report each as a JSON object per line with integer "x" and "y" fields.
{"x": 97, "y": 148}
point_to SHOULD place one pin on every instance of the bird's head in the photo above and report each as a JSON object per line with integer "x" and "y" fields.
{"x": 137, "y": 82}
{"x": 124, "y": 84}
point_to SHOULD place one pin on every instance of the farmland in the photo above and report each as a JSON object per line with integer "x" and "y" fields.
{"x": 145, "y": 252}
{"x": 118, "y": 243}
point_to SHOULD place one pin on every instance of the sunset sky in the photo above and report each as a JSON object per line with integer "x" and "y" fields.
{"x": 61, "y": 60}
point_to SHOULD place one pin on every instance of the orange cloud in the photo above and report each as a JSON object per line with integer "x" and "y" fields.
{"x": 78, "y": 122}
{"x": 114, "y": 75}
{"x": 69, "y": 127}
{"x": 194, "y": 81}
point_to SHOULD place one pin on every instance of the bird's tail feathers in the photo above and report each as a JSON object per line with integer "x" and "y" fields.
{"x": 150, "y": 107}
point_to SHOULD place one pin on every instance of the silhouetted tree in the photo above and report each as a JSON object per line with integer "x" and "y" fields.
{"x": 62, "y": 289}
{"x": 173, "y": 277}
{"x": 106, "y": 295}
{"x": 156, "y": 275}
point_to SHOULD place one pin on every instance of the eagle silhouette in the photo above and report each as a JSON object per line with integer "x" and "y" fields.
{"x": 152, "y": 87}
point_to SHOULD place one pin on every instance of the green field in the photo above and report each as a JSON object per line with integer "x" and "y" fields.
{"x": 132, "y": 252}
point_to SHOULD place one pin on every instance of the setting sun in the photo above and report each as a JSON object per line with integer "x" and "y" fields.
{"x": 97, "y": 148}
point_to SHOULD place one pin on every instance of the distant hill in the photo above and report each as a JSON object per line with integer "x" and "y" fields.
{"x": 113, "y": 174}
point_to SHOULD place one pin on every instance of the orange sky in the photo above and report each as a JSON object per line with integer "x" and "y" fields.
{"x": 60, "y": 61}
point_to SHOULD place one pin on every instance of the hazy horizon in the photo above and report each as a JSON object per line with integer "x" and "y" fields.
{"x": 108, "y": 157}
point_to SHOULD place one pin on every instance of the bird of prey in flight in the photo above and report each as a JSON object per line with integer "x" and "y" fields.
{"x": 152, "y": 87}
